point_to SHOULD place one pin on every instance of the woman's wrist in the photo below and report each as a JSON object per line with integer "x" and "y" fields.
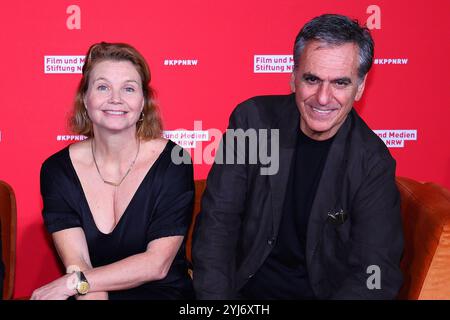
{"x": 71, "y": 282}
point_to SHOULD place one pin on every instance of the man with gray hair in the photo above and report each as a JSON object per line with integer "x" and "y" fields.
{"x": 327, "y": 225}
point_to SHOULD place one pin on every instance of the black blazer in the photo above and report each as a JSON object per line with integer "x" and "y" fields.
{"x": 241, "y": 211}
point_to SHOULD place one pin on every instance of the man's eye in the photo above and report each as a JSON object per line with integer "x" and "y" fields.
{"x": 311, "y": 80}
{"x": 341, "y": 83}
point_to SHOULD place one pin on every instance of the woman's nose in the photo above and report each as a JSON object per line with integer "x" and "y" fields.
{"x": 115, "y": 96}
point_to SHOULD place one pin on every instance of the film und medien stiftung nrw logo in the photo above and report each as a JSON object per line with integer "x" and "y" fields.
{"x": 271, "y": 63}
{"x": 186, "y": 138}
{"x": 63, "y": 64}
{"x": 396, "y": 138}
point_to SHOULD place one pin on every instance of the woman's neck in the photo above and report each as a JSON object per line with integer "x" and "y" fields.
{"x": 115, "y": 148}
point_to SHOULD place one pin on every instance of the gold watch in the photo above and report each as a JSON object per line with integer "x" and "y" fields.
{"x": 82, "y": 286}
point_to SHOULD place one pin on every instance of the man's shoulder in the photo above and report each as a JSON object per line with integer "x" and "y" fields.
{"x": 368, "y": 141}
{"x": 269, "y": 103}
{"x": 265, "y": 109}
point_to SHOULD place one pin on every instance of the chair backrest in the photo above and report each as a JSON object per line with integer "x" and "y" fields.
{"x": 8, "y": 218}
{"x": 426, "y": 226}
{"x": 200, "y": 186}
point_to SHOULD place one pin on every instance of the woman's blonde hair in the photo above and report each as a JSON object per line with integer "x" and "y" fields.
{"x": 149, "y": 125}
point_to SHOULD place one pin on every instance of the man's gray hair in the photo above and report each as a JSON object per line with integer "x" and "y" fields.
{"x": 336, "y": 29}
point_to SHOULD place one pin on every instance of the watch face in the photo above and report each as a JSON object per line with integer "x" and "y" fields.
{"x": 83, "y": 287}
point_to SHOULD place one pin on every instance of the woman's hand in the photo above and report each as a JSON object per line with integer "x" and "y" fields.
{"x": 60, "y": 289}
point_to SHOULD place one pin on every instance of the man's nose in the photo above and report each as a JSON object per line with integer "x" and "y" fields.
{"x": 324, "y": 93}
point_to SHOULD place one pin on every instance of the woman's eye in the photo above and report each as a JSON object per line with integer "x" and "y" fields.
{"x": 130, "y": 89}
{"x": 102, "y": 88}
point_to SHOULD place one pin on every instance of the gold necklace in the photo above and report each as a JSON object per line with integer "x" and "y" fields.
{"x": 128, "y": 171}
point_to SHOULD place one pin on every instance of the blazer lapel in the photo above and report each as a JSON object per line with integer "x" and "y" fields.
{"x": 288, "y": 124}
{"x": 327, "y": 190}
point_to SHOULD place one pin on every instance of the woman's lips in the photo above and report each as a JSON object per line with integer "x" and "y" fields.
{"x": 114, "y": 112}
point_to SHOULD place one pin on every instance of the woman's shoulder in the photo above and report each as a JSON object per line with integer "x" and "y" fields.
{"x": 167, "y": 155}
{"x": 61, "y": 160}
{"x": 55, "y": 167}
{"x": 157, "y": 143}
{"x": 56, "y": 158}
{"x": 80, "y": 152}
{"x": 156, "y": 148}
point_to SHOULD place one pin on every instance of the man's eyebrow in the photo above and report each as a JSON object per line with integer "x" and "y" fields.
{"x": 309, "y": 74}
{"x": 343, "y": 79}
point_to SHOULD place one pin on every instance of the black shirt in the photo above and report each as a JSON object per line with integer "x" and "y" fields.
{"x": 284, "y": 275}
{"x": 161, "y": 207}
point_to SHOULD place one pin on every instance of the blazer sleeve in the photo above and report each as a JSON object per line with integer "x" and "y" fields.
{"x": 217, "y": 227}
{"x": 376, "y": 237}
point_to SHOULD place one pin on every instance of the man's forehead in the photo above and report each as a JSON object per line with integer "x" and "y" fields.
{"x": 320, "y": 56}
{"x": 316, "y": 47}
{"x": 320, "y": 44}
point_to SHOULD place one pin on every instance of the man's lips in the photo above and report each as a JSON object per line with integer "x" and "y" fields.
{"x": 323, "y": 111}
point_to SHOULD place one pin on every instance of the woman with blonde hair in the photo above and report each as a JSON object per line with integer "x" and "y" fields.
{"x": 116, "y": 205}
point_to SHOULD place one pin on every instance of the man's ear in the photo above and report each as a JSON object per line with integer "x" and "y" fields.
{"x": 360, "y": 89}
{"x": 292, "y": 81}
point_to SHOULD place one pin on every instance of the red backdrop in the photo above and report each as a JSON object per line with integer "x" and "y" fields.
{"x": 217, "y": 42}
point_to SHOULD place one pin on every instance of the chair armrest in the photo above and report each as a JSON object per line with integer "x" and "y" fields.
{"x": 426, "y": 223}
